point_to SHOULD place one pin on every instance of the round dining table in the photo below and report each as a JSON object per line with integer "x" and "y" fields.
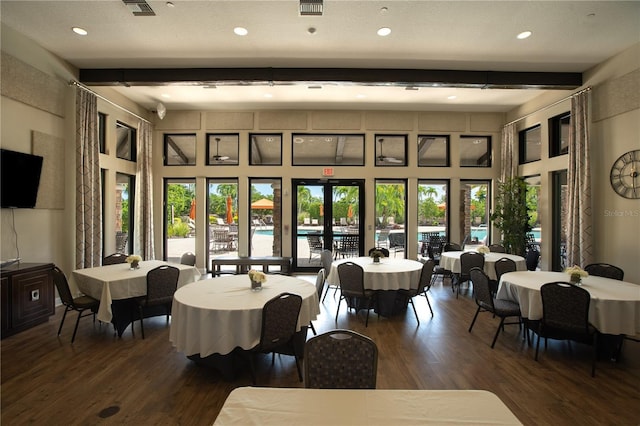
{"x": 218, "y": 315}
{"x": 614, "y": 307}
{"x": 450, "y": 260}
{"x": 389, "y": 274}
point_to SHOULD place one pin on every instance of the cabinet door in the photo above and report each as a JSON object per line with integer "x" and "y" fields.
{"x": 5, "y": 310}
{"x": 32, "y": 298}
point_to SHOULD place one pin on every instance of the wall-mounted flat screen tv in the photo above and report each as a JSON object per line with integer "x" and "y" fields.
{"x": 20, "y": 174}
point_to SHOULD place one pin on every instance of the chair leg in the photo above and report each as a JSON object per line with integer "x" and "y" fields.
{"x": 75, "y": 329}
{"x": 414, "y": 309}
{"x": 64, "y": 315}
{"x": 537, "y": 346}
{"x": 497, "y": 332}
{"x": 428, "y": 303}
{"x": 474, "y": 319}
{"x": 141, "y": 321}
{"x": 338, "y": 308}
{"x": 298, "y": 367}
{"x": 313, "y": 329}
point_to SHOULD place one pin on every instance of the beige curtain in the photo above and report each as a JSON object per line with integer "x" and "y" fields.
{"x": 579, "y": 211}
{"x": 508, "y": 164}
{"x": 88, "y": 188}
{"x": 143, "y": 226}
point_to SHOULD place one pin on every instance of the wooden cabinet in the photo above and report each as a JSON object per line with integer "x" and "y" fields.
{"x": 28, "y": 296}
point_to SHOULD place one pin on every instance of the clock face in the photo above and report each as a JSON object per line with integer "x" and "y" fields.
{"x": 625, "y": 175}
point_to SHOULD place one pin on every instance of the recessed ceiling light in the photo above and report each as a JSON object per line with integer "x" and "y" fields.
{"x": 298, "y": 140}
{"x": 383, "y": 10}
{"x": 384, "y": 31}
{"x": 451, "y": 97}
{"x": 240, "y": 31}
{"x": 79, "y": 31}
{"x": 268, "y": 95}
{"x": 169, "y": 4}
{"x": 524, "y": 34}
{"x": 311, "y": 30}
{"x": 316, "y": 86}
{"x": 166, "y": 95}
{"x": 361, "y": 96}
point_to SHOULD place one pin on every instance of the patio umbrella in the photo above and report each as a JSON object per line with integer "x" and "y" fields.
{"x": 350, "y": 212}
{"x": 321, "y": 210}
{"x": 229, "y": 210}
{"x": 192, "y": 210}
{"x": 264, "y": 204}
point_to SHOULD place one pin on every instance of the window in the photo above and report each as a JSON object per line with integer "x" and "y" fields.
{"x": 222, "y": 149}
{"x": 124, "y": 202}
{"x": 530, "y": 144}
{"x": 265, "y": 235}
{"x": 102, "y": 120}
{"x": 391, "y": 150}
{"x": 265, "y": 149}
{"x": 222, "y": 215}
{"x": 179, "y": 149}
{"x": 475, "y": 151}
{"x": 559, "y": 134}
{"x": 559, "y": 205}
{"x": 180, "y": 218}
{"x": 391, "y": 202}
{"x": 474, "y": 198}
{"x": 328, "y": 150}
{"x": 433, "y": 199}
{"x": 433, "y": 151}
{"x": 126, "y": 142}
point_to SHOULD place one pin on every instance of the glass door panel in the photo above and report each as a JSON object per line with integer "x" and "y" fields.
{"x": 391, "y": 217}
{"x": 327, "y": 215}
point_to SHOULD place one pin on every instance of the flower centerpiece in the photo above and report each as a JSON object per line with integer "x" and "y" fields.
{"x": 483, "y": 249}
{"x": 257, "y": 278}
{"x": 134, "y": 261}
{"x": 376, "y": 255}
{"x": 576, "y": 273}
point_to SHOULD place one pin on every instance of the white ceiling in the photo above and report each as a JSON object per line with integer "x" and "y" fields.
{"x": 568, "y": 36}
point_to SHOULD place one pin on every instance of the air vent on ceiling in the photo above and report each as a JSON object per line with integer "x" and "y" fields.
{"x": 311, "y": 7}
{"x": 139, "y": 7}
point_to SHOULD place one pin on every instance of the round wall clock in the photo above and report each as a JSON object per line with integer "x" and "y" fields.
{"x": 625, "y": 175}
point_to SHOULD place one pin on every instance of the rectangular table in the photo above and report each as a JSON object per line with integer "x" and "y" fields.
{"x": 280, "y": 406}
{"x": 243, "y": 263}
{"x": 118, "y": 282}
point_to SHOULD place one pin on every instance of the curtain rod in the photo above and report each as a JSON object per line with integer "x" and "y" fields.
{"x": 83, "y": 87}
{"x": 586, "y": 89}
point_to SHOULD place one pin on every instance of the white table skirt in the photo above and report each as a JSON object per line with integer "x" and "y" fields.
{"x": 281, "y": 406}
{"x": 614, "y": 307}
{"x": 450, "y": 260}
{"x": 115, "y": 282}
{"x": 219, "y": 314}
{"x": 389, "y": 274}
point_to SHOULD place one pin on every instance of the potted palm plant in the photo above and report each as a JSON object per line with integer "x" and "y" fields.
{"x": 511, "y": 215}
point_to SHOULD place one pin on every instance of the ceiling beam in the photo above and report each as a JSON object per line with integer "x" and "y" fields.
{"x": 374, "y": 77}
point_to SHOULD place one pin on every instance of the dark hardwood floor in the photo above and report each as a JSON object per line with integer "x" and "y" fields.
{"x": 102, "y": 379}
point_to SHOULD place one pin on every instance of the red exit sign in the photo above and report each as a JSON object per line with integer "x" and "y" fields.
{"x": 327, "y": 171}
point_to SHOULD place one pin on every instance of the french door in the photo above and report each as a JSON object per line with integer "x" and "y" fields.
{"x": 325, "y": 213}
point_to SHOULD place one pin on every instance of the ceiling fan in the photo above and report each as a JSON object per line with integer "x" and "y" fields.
{"x": 218, "y": 157}
{"x": 382, "y": 159}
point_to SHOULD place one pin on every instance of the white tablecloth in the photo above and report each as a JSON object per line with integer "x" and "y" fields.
{"x": 281, "y": 406}
{"x": 216, "y": 315}
{"x": 389, "y": 274}
{"x": 614, "y": 307}
{"x": 115, "y": 282}
{"x": 450, "y": 260}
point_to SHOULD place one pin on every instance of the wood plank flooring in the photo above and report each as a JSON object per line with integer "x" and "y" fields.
{"x": 102, "y": 379}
